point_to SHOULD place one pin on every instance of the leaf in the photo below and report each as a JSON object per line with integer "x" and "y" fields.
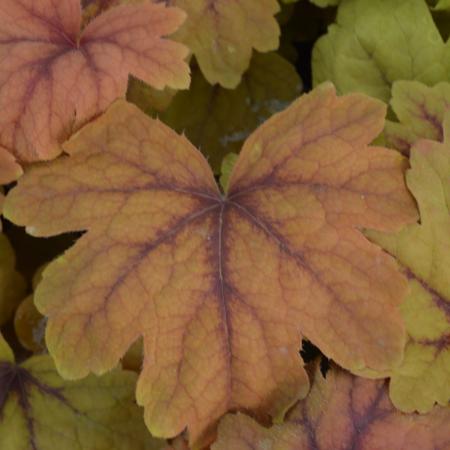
{"x": 442, "y": 5}
{"x": 222, "y": 35}
{"x": 6, "y": 354}
{"x": 420, "y": 110}
{"x": 375, "y": 43}
{"x": 325, "y": 3}
{"x": 54, "y": 78}
{"x": 12, "y": 284}
{"x": 341, "y": 412}
{"x": 222, "y": 288}
{"x": 41, "y": 411}
{"x": 29, "y": 326}
{"x": 218, "y": 120}
{"x": 93, "y": 8}
{"x": 29, "y": 323}
{"x": 424, "y": 251}
{"x": 9, "y": 171}
{"x": 147, "y": 98}
{"x": 227, "y": 167}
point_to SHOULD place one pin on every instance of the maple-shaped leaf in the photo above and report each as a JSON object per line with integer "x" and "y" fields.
{"x": 218, "y": 120}
{"x": 375, "y": 43}
{"x": 424, "y": 251}
{"x": 12, "y": 284}
{"x": 54, "y": 77}
{"x": 222, "y": 34}
{"x": 221, "y": 287}
{"x": 341, "y": 412}
{"x": 420, "y": 110}
{"x": 41, "y": 411}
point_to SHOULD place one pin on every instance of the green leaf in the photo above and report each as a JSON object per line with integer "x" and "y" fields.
{"x": 227, "y": 166}
{"x": 423, "y": 250}
{"x": 442, "y": 5}
{"x": 325, "y": 3}
{"x": 375, "y": 43}
{"x": 41, "y": 411}
{"x": 420, "y": 110}
{"x": 6, "y": 354}
{"x": 218, "y": 120}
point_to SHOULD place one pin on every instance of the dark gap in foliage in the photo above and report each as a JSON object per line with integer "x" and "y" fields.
{"x": 32, "y": 252}
{"x": 310, "y": 22}
{"x": 324, "y": 366}
{"x": 309, "y": 351}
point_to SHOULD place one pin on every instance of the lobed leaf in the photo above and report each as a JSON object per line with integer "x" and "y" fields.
{"x": 41, "y": 411}
{"x": 222, "y": 288}
{"x": 420, "y": 110}
{"x": 376, "y": 42}
{"x": 218, "y": 120}
{"x": 222, "y": 34}
{"x": 54, "y": 77}
{"x": 424, "y": 251}
{"x": 341, "y": 412}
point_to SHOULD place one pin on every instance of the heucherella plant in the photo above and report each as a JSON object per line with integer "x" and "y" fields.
{"x": 222, "y": 231}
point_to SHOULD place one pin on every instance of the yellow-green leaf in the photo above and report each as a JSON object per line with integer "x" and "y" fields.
{"x": 6, "y": 354}
{"x": 442, "y": 5}
{"x": 424, "y": 251}
{"x": 218, "y": 120}
{"x": 223, "y": 33}
{"x": 227, "y": 166}
{"x": 41, "y": 411}
{"x": 420, "y": 110}
{"x": 376, "y": 42}
{"x": 325, "y": 3}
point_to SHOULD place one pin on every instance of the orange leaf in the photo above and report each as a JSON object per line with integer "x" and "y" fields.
{"x": 221, "y": 288}
{"x": 341, "y": 412}
{"x": 54, "y": 78}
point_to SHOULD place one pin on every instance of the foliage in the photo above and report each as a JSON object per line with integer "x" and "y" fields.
{"x": 214, "y": 33}
{"x": 55, "y": 77}
{"x": 341, "y": 411}
{"x": 424, "y": 251}
{"x": 420, "y": 110}
{"x": 135, "y": 167}
{"x": 375, "y": 43}
{"x": 218, "y": 120}
{"x": 40, "y": 410}
{"x": 201, "y": 200}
